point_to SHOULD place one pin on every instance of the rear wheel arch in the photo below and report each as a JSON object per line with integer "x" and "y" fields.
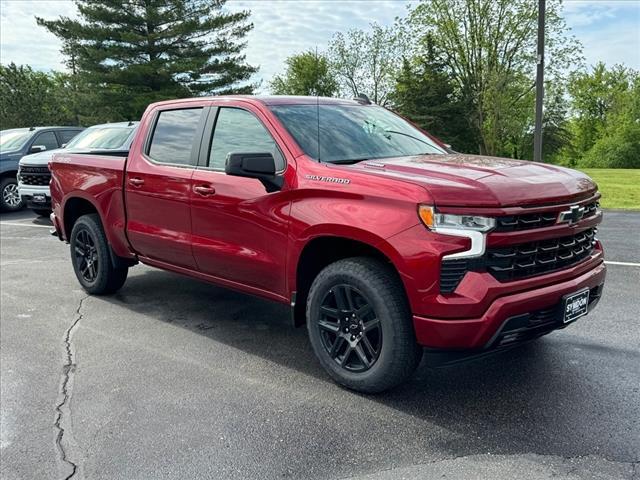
{"x": 74, "y": 208}
{"x": 322, "y": 251}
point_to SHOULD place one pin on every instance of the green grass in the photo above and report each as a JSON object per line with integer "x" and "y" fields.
{"x": 620, "y": 187}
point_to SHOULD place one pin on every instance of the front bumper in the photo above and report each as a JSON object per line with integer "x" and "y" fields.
{"x": 28, "y": 191}
{"x": 504, "y": 322}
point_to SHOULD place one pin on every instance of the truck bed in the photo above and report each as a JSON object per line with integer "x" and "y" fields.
{"x": 98, "y": 178}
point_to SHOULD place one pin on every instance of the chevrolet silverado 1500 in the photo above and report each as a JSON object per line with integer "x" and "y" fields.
{"x": 381, "y": 239}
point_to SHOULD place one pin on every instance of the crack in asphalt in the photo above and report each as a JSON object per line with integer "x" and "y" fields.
{"x": 67, "y": 371}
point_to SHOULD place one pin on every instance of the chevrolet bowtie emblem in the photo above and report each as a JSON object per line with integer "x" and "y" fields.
{"x": 571, "y": 216}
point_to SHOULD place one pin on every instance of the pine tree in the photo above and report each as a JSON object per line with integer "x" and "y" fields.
{"x": 425, "y": 93}
{"x": 139, "y": 51}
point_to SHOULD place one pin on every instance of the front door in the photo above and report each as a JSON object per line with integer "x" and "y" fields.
{"x": 158, "y": 187}
{"x": 239, "y": 230}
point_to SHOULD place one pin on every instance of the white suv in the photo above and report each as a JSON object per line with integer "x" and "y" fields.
{"x": 33, "y": 171}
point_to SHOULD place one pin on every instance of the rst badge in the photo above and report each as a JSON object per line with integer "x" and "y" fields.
{"x": 571, "y": 216}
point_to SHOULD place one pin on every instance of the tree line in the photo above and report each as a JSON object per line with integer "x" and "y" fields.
{"x": 462, "y": 69}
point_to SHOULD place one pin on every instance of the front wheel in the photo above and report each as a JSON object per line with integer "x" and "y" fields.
{"x": 91, "y": 257}
{"x": 10, "y": 200}
{"x": 360, "y": 325}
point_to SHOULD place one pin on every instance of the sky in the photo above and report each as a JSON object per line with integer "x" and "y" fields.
{"x": 608, "y": 30}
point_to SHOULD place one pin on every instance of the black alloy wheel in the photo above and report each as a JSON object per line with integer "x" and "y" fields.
{"x": 360, "y": 325}
{"x": 86, "y": 255}
{"x": 350, "y": 329}
{"x": 98, "y": 270}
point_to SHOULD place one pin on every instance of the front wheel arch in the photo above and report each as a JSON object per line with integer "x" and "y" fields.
{"x": 320, "y": 252}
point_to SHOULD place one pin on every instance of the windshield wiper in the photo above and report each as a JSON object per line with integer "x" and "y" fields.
{"x": 407, "y": 135}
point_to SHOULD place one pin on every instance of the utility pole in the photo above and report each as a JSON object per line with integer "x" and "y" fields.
{"x": 537, "y": 135}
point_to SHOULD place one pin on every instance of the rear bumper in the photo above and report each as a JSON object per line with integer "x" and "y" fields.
{"x": 510, "y": 318}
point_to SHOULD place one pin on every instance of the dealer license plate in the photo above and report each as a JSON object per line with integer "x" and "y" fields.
{"x": 575, "y": 306}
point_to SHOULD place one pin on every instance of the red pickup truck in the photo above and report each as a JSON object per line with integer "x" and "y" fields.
{"x": 381, "y": 239}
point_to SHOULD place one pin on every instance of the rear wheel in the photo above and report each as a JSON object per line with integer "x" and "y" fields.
{"x": 91, "y": 257}
{"x": 360, "y": 325}
{"x": 10, "y": 200}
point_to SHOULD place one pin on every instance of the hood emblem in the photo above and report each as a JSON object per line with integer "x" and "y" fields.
{"x": 571, "y": 216}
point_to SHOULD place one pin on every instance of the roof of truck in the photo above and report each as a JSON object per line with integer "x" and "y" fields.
{"x": 271, "y": 100}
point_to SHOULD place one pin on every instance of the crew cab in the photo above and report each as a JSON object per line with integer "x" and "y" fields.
{"x": 382, "y": 240}
{"x": 18, "y": 142}
{"x": 33, "y": 172}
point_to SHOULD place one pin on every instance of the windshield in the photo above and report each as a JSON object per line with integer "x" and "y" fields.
{"x": 107, "y": 138}
{"x": 350, "y": 133}
{"x": 14, "y": 139}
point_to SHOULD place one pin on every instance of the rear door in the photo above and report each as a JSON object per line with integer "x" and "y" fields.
{"x": 239, "y": 230}
{"x": 158, "y": 185}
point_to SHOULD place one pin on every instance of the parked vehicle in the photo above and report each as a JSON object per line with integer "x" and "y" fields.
{"x": 380, "y": 240}
{"x": 18, "y": 142}
{"x": 33, "y": 170}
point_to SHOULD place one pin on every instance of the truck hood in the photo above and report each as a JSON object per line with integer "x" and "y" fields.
{"x": 40, "y": 158}
{"x": 474, "y": 180}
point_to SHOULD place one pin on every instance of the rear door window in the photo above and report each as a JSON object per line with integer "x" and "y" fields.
{"x": 173, "y": 136}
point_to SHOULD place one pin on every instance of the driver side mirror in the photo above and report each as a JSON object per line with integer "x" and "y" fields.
{"x": 261, "y": 166}
{"x": 37, "y": 148}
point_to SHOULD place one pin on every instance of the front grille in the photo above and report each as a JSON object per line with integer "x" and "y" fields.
{"x": 39, "y": 176}
{"x": 534, "y": 258}
{"x": 528, "y": 221}
{"x": 520, "y": 261}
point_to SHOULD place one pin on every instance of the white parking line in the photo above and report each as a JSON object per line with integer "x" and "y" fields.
{"x": 15, "y": 224}
{"x": 625, "y": 264}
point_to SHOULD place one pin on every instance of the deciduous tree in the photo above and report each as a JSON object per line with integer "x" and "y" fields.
{"x": 367, "y": 62}
{"x": 490, "y": 48}
{"x": 307, "y": 73}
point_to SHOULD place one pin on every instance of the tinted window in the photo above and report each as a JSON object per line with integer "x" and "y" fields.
{"x": 174, "y": 135}
{"x": 67, "y": 135}
{"x": 346, "y": 133}
{"x": 239, "y": 131}
{"x": 47, "y": 139}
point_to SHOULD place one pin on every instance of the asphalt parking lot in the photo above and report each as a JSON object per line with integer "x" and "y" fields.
{"x": 171, "y": 378}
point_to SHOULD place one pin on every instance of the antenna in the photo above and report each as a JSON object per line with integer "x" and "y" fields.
{"x": 318, "y": 117}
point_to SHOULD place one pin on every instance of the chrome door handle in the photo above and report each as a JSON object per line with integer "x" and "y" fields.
{"x": 204, "y": 190}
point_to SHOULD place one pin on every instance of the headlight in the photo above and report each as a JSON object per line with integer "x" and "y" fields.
{"x": 445, "y": 221}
